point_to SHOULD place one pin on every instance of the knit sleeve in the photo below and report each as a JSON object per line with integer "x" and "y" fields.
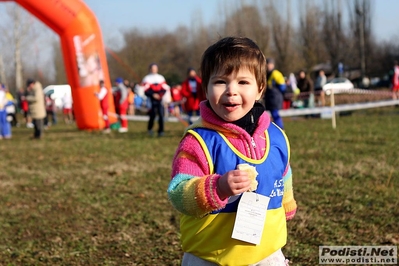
{"x": 192, "y": 190}
{"x": 289, "y": 202}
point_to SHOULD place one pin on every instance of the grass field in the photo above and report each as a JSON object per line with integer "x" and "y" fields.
{"x": 84, "y": 198}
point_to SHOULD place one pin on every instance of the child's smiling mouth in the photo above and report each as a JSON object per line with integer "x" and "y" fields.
{"x": 231, "y": 106}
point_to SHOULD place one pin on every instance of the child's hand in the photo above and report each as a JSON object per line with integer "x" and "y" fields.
{"x": 233, "y": 183}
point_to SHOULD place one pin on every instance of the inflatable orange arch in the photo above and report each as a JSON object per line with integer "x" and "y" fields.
{"x": 84, "y": 55}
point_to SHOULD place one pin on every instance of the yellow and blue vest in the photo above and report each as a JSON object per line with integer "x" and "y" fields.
{"x": 209, "y": 237}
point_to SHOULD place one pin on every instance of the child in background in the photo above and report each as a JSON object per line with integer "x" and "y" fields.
{"x": 234, "y": 129}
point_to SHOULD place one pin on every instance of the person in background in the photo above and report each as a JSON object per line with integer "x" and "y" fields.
{"x": 395, "y": 81}
{"x": 155, "y": 88}
{"x": 289, "y": 95}
{"x": 35, "y": 98}
{"x": 321, "y": 80}
{"x": 130, "y": 97}
{"x": 5, "y": 127}
{"x": 207, "y": 184}
{"x": 121, "y": 101}
{"x": 192, "y": 92}
{"x": 50, "y": 110}
{"x": 24, "y": 106}
{"x": 305, "y": 85}
{"x": 177, "y": 100}
{"x": 274, "y": 92}
{"x": 102, "y": 95}
{"x": 67, "y": 105}
{"x": 11, "y": 107}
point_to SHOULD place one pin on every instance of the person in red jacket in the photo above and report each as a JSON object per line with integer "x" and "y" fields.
{"x": 191, "y": 90}
{"x": 122, "y": 103}
{"x": 103, "y": 97}
{"x": 177, "y": 99}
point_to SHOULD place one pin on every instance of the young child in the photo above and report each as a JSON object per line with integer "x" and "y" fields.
{"x": 206, "y": 186}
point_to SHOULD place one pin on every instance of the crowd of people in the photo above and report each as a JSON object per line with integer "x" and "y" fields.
{"x": 156, "y": 98}
{"x": 38, "y": 110}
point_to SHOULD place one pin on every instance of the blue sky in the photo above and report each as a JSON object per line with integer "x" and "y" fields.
{"x": 155, "y": 15}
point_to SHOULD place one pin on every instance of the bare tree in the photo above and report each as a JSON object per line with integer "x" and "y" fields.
{"x": 333, "y": 36}
{"x": 246, "y": 20}
{"x": 310, "y": 35}
{"x": 3, "y": 77}
{"x": 58, "y": 64}
{"x": 281, "y": 33}
{"x": 361, "y": 24}
{"x": 16, "y": 39}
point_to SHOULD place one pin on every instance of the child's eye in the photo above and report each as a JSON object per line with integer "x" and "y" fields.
{"x": 220, "y": 81}
{"x": 243, "y": 82}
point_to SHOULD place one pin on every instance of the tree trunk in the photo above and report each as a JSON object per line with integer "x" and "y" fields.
{"x": 3, "y": 72}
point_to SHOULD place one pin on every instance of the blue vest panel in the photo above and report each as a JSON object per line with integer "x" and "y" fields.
{"x": 271, "y": 167}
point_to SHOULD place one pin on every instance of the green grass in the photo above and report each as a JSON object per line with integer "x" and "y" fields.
{"x": 84, "y": 198}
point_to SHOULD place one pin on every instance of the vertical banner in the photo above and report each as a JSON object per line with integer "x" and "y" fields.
{"x": 88, "y": 61}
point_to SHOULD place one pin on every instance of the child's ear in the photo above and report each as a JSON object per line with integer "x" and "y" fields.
{"x": 260, "y": 94}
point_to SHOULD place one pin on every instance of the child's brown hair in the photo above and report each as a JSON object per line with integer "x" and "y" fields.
{"x": 231, "y": 54}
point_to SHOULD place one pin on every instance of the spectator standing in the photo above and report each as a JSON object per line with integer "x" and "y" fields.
{"x": 50, "y": 110}
{"x": 22, "y": 93}
{"x": 321, "y": 80}
{"x": 289, "y": 95}
{"x": 395, "y": 81}
{"x": 5, "y": 127}
{"x": 192, "y": 91}
{"x": 11, "y": 107}
{"x": 177, "y": 99}
{"x": 305, "y": 85}
{"x": 102, "y": 95}
{"x": 274, "y": 92}
{"x": 35, "y": 98}
{"x": 155, "y": 88}
{"x": 122, "y": 103}
{"x": 67, "y": 105}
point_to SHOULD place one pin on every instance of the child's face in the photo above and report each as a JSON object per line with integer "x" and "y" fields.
{"x": 232, "y": 96}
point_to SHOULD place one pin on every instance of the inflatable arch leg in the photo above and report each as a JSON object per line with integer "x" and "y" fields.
{"x": 84, "y": 54}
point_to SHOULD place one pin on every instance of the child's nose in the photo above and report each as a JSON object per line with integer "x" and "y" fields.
{"x": 231, "y": 89}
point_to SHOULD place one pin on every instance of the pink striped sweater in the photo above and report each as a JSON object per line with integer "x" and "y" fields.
{"x": 192, "y": 190}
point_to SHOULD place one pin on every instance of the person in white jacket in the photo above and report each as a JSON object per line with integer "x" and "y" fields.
{"x": 155, "y": 89}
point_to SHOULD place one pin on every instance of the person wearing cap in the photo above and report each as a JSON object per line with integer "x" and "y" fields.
{"x": 5, "y": 127}
{"x": 191, "y": 90}
{"x": 155, "y": 88}
{"x": 122, "y": 104}
{"x": 35, "y": 98}
{"x": 274, "y": 92}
